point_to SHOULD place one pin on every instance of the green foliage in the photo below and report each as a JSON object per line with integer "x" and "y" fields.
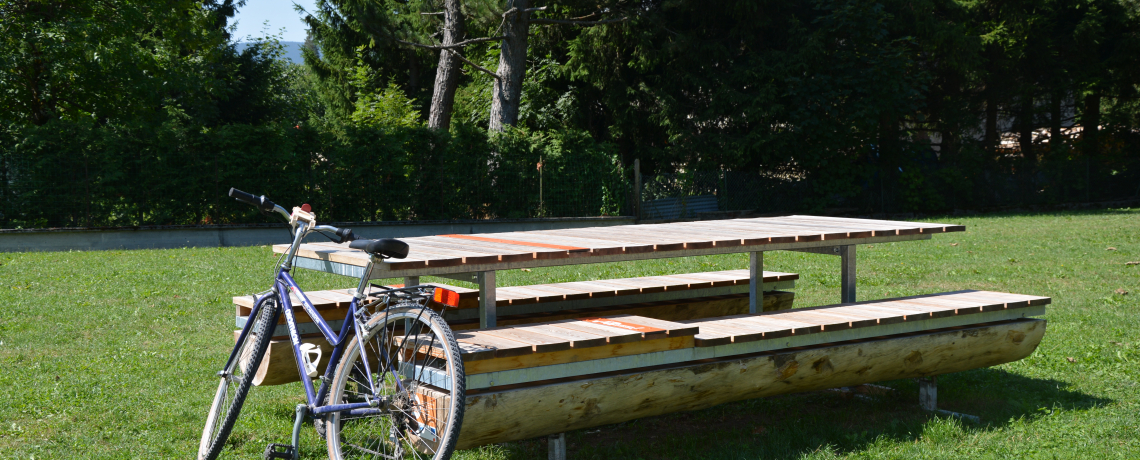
{"x": 82, "y": 174}
{"x": 381, "y": 107}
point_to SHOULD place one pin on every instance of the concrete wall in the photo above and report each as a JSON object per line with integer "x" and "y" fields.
{"x": 252, "y": 235}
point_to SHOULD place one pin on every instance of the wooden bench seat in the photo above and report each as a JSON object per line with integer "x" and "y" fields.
{"x": 720, "y": 337}
{"x": 685, "y": 296}
{"x": 533, "y": 353}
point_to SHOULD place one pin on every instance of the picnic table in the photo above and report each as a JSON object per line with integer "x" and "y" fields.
{"x": 545, "y": 359}
{"x": 476, "y": 258}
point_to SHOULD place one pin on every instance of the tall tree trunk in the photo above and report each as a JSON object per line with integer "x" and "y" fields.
{"x": 1090, "y": 122}
{"x": 1025, "y": 127}
{"x": 512, "y": 67}
{"x": 1055, "y": 142}
{"x": 992, "y": 136}
{"x": 447, "y": 75}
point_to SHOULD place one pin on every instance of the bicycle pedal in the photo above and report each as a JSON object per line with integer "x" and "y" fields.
{"x": 284, "y": 451}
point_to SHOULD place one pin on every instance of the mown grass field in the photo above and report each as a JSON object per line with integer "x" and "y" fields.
{"x": 112, "y": 354}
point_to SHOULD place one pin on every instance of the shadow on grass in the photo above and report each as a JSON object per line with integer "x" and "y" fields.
{"x": 796, "y": 425}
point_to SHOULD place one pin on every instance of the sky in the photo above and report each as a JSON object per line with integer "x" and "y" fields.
{"x": 252, "y": 17}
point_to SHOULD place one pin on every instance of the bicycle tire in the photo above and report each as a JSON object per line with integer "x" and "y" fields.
{"x": 233, "y": 386}
{"x": 430, "y": 404}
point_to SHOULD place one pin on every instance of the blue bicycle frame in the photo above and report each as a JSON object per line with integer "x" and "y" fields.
{"x": 283, "y": 286}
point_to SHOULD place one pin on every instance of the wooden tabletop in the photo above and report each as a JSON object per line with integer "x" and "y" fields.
{"x": 446, "y": 254}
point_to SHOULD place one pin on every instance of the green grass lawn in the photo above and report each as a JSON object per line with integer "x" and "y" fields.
{"x": 112, "y": 354}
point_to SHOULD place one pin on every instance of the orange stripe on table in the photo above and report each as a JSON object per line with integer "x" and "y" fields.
{"x": 517, "y": 243}
{"x": 621, "y": 324}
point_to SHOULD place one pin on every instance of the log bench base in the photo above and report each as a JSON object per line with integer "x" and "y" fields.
{"x": 495, "y": 415}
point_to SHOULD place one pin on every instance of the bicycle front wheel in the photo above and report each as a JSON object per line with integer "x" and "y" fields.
{"x": 236, "y": 379}
{"x": 411, "y": 374}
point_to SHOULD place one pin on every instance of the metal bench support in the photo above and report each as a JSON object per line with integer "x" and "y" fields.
{"x": 847, "y": 254}
{"x": 486, "y": 282}
{"x": 556, "y": 443}
{"x": 928, "y": 399}
{"x": 928, "y": 393}
{"x": 755, "y": 282}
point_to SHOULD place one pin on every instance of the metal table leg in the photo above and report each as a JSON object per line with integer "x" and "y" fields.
{"x": 847, "y": 253}
{"x": 486, "y": 282}
{"x": 755, "y": 282}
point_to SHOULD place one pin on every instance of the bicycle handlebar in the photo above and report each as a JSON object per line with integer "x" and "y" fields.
{"x": 343, "y": 235}
{"x": 259, "y": 202}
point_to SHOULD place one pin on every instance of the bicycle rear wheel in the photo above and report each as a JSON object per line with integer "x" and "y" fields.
{"x": 236, "y": 379}
{"x": 412, "y": 373}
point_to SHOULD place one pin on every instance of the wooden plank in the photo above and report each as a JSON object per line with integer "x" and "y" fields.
{"x": 933, "y": 227}
{"x": 689, "y": 282}
{"x": 891, "y": 314}
{"x": 825, "y": 233}
{"x": 596, "y": 247}
{"x": 595, "y": 322}
{"x": 733, "y": 236}
{"x": 672, "y": 329}
{"x": 540, "y": 343}
{"x": 730, "y": 333}
{"x": 949, "y": 307}
{"x": 612, "y": 335}
{"x": 647, "y": 332}
{"x": 827, "y": 323}
{"x": 577, "y": 339}
{"x": 485, "y": 239}
{"x": 760, "y": 235}
{"x": 1010, "y": 300}
{"x": 541, "y": 250}
{"x": 503, "y": 347}
{"x": 567, "y": 293}
{"x": 773, "y": 320}
{"x": 600, "y": 240}
{"x": 577, "y": 355}
{"x": 853, "y": 319}
{"x": 875, "y": 229}
{"x": 604, "y": 287}
{"x": 496, "y": 254}
{"x": 770, "y": 331}
{"x": 762, "y": 228}
{"x": 622, "y": 238}
{"x": 538, "y": 295}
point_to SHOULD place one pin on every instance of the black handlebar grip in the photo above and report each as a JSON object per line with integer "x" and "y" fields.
{"x": 345, "y": 235}
{"x": 260, "y": 202}
{"x": 242, "y": 196}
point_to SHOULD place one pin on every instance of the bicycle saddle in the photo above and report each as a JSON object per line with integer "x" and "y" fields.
{"x": 385, "y": 247}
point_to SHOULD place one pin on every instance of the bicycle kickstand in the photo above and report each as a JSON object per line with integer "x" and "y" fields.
{"x": 286, "y": 451}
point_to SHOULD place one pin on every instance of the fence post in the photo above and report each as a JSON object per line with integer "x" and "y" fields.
{"x": 637, "y": 189}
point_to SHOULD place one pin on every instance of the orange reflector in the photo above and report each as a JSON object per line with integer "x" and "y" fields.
{"x": 446, "y": 297}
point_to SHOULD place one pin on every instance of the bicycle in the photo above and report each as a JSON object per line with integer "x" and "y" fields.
{"x": 394, "y": 384}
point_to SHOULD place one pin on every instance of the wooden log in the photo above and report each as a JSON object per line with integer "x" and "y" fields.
{"x": 554, "y": 407}
{"x": 279, "y": 367}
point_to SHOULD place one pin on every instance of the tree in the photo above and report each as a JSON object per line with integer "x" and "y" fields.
{"x": 101, "y": 60}
{"x": 513, "y": 55}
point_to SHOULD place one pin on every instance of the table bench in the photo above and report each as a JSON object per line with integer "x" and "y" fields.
{"x": 528, "y": 381}
{"x": 672, "y": 297}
